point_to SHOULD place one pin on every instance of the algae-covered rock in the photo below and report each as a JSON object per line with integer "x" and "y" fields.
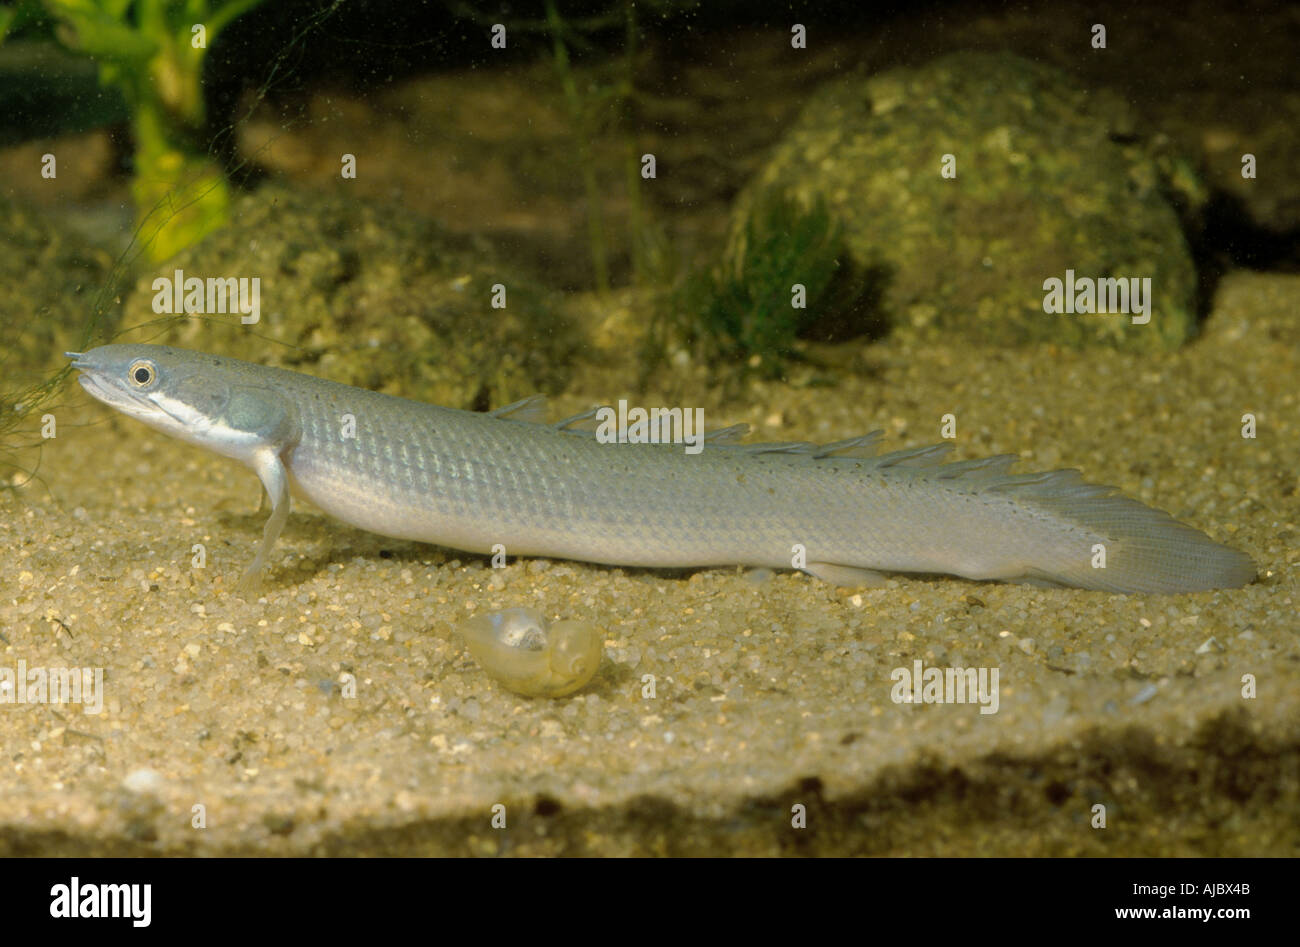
{"x": 368, "y": 295}
{"x": 1049, "y": 179}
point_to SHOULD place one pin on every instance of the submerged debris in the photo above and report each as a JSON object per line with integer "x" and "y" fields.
{"x": 524, "y": 652}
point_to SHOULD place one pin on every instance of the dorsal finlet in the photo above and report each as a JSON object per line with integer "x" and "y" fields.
{"x": 531, "y": 409}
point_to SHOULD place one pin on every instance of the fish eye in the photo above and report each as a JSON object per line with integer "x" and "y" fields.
{"x": 142, "y": 373}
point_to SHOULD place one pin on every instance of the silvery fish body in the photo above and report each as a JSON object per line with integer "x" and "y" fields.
{"x": 472, "y": 481}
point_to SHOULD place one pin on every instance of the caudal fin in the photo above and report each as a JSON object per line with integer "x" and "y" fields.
{"x": 1146, "y": 550}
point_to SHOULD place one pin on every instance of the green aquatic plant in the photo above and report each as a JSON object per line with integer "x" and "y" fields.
{"x": 785, "y": 275}
{"x": 605, "y": 101}
{"x": 180, "y": 192}
{"x": 600, "y": 96}
{"x": 152, "y": 52}
{"x": 581, "y": 114}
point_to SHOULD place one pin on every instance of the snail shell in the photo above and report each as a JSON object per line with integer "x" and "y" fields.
{"x": 529, "y": 655}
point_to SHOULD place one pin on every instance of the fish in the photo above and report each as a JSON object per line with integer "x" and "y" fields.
{"x": 486, "y": 482}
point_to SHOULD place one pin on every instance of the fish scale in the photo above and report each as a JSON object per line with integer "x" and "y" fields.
{"x": 471, "y": 481}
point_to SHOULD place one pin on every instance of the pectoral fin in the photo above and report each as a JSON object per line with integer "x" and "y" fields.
{"x": 271, "y": 471}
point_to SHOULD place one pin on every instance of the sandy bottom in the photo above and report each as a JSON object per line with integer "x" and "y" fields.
{"x": 769, "y": 692}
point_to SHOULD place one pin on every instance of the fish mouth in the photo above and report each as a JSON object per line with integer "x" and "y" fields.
{"x": 93, "y": 385}
{"x": 91, "y": 380}
{"x": 80, "y": 364}
{"x": 101, "y": 389}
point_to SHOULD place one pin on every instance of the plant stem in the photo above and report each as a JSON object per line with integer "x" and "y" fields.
{"x": 595, "y": 223}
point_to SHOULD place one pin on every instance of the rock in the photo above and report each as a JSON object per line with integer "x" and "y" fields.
{"x": 1049, "y": 178}
{"x": 372, "y": 296}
